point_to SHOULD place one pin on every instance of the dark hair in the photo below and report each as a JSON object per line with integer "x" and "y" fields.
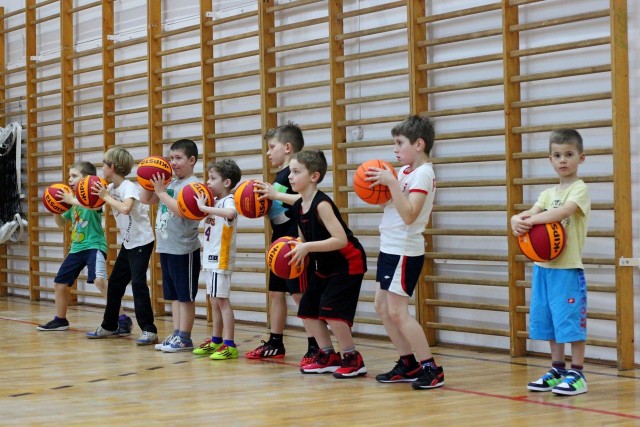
{"x": 85, "y": 168}
{"x": 290, "y": 133}
{"x": 313, "y": 160}
{"x": 228, "y": 169}
{"x": 187, "y": 146}
{"x": 414, "y": 127}
{"x": 120, "y": 159}
{"x": 566, "y": 136}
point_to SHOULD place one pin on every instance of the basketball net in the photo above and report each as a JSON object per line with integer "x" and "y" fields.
{"x": 12, "y": 225}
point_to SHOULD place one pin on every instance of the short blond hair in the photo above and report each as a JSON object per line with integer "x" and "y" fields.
{"x": 120, "y": 159}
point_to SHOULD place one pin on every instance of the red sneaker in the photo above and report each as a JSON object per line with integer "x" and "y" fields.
{"x": 309, "y": 356}
{"x": 322, "y": 363}
{"x": 352, "y": 366}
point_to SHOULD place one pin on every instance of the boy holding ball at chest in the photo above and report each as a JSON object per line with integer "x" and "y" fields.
{"x": 402, "y": 251}
{"x": 178, "y": 245}
{"x": 558, "y": 311}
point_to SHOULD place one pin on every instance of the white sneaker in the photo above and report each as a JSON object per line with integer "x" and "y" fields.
{"x": 167, "y": 341}
{"x": 168, "y": 347}
{"x": 147, "y": 338}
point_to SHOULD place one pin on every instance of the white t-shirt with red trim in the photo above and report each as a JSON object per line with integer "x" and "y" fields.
{"x": 396, "y": 237}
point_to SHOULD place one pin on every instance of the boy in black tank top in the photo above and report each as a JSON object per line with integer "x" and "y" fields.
{"x": 337, "y": 264}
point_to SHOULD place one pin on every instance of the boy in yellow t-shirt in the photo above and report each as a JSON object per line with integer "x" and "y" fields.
{"x": 558, "y": 311}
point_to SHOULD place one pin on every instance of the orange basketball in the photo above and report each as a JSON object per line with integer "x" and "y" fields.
{"x": 279, "y": 264}
{"x": 247, "y": 202}
{"x": 50, "y": 198}
{"x": 188, "y": 205}
{"x": 151, "y": 166}
{"x": 377, "y": 195}
{"x": 84, "y": 191}
{"x": 543, "y": 242}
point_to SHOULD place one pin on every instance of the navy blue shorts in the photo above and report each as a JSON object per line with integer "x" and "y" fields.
{"x": 398, "y": 273}
{"x": 180, "y": 275}
{"x": 93, "y": 259}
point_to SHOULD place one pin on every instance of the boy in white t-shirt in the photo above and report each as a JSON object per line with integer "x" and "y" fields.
{"x": 132, "y": 219}
{"x": 219, "y": 255}
{"x": 402, "y": 251}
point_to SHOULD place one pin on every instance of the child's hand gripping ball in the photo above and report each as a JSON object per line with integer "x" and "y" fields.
{"x": 247, "y": 202}
{"x": 278, "y": 262}
{"x": 153, "y": 165}
{"x": 187, "y": 203}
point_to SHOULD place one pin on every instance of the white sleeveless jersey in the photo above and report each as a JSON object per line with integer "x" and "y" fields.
{"x": 219, "y": 249}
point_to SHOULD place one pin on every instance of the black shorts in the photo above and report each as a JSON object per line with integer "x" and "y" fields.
{"x": 180, "y": 275}
{"x": 331, "y": 298}
{"x": 277, "y": 284}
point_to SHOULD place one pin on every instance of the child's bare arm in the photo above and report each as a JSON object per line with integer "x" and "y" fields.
{"x": 553, "y": 215}
{"x": 520, "y": 223}
{"x": 338, "y": 239}
{"x": 148, "y": 197}
{"x": 60, "y": 221}
{"x": 408, "y": 208}
{"x": 267, "y": 191}
{"x": 228, "y": 213}
{"x": 124, "y": 207}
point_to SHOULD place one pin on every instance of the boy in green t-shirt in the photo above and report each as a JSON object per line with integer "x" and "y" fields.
{"x": 88, "y": 248}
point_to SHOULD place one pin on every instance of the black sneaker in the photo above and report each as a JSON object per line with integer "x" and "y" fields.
{"x": 267, "y": 350}
{"x": 430, "y": 378}
{"x": 124, "y": 326}
{"x": 56, "y": 324}
{"x": 400, "y": 374}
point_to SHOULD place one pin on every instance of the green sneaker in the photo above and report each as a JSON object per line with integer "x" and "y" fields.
{"x": 207, "y": 347}
{"x": 546, "y": 382}
{"x": 573, "y": 384}
{"x": 225, "y": 352}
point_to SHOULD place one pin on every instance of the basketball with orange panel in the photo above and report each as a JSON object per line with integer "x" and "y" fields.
{"x": 247, "y": 203}
{"x": 50, "y": 198}
{"x": 84, "y": 191}
{"x": 544, "y": 242}
{"x": 187, "y": 203}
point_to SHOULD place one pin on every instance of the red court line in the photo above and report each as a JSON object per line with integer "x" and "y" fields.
{"x": 525, "y": 399}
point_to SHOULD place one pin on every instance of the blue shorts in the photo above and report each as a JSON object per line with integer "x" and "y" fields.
{"x": 93, "y": 259}
{"x": 180, "y": 275}
{"x": 558, "y": 309}
{"x": 398, "y": 273}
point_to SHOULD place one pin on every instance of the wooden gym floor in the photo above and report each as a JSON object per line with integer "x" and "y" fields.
{"x": 62, "y": 378}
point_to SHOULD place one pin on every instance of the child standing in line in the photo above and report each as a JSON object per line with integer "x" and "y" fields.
{"x": 282, "y": 142}
{"x": 88, "y": 248}
{"x": 178, "y": 245}
{"x": 402, "y": 251}
{"x": 132, "y": 219}
{"x": 335, "y": 271}
{"x": 219, "y": 257}
{"x": 558, "y": 311}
